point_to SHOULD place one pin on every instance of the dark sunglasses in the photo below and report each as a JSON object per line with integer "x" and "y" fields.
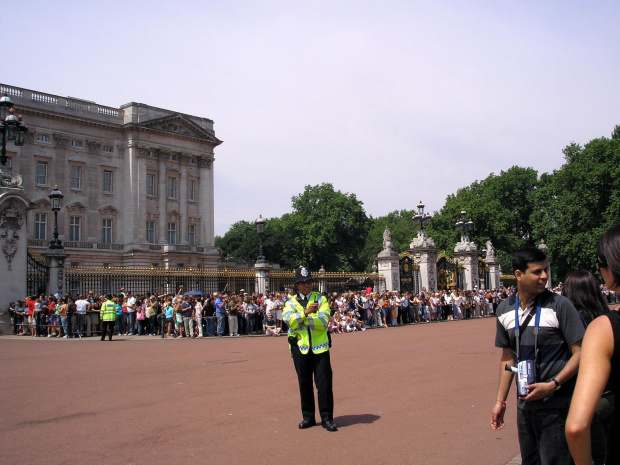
{"x": 601, "y": 263}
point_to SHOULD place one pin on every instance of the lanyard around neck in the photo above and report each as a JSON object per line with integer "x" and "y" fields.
{"x": 536, "y": 326}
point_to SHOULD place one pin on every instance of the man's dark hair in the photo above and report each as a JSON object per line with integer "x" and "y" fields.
{"x": 608, "y": 251}
{"x": 525, "y": 255}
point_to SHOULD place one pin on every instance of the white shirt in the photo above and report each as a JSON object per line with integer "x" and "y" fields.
{"x": 82, "y": 306}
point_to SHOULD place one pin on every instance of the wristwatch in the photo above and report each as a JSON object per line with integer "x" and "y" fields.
{"x": 557, "y": 384}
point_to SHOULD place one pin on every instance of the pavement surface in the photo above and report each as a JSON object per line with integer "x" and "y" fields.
{"x": 418, "y": 394}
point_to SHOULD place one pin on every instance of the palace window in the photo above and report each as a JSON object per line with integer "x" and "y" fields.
{"x": 191, "y": 190}
{"x": 172, "y": 188}
{"x": 107, "y": 182}
{"x": 106, "y": 231}
{"x": 77, "y": 143}
{"x": 191, "y": 234}
{"x": 150, "y": 232}
{"x": 151, "y": 185}
{"x": 43, "y": 138}
{"x": 75, "y": 228}
{"x": 172, "y": 233}
{"x": 75, "y": 177}
{"x": 108, "y": 149}
{"x": 41, "y": 173}
{"x": 40, "y": 226}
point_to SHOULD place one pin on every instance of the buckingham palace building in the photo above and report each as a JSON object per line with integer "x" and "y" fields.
{"x": 137, "y": 181}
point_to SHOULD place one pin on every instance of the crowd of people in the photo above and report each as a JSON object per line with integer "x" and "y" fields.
{"x": 234, "y": 314}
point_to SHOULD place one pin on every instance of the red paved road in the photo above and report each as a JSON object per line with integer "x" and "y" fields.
{"x": 419, "y": 394}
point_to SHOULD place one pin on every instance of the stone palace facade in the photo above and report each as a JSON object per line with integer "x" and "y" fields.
{"x": 137, "y": 181}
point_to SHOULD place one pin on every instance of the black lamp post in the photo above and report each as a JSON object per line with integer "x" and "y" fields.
{"x": 421, "y": 219}
{"x": 11, "y": 127}
{"x": 260, "y": 229}
{"x": 464, "y": 226}
{"x": 56, "y": 200}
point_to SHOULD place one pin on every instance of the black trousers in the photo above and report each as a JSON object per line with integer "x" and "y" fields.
{"x": 107, "y": 327}
{"x": 70, "y": 321}
{"x": 319, "y": 366}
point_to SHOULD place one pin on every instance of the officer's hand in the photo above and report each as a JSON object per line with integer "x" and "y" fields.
{"x": 538, "y": 391}
{"x": 311, "y": 308}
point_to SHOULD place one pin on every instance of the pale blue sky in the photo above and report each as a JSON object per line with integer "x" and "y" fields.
{"x": 395, "y": 101}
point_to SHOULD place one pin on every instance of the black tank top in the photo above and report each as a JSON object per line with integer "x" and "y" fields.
{"x": 613, "y": 445}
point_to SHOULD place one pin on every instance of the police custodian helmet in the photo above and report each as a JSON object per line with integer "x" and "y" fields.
{"x": 302, "y": 274}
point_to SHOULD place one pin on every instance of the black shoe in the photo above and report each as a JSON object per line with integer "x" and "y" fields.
{"x": 307, "y": 424}
{"x": 329, "y": 425}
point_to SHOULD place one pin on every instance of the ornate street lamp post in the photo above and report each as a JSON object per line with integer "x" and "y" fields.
{"x": 11, "y": 127}
{"x": 56, "y": 200}
{"x": 464, "y": 226}
{"x": 421, "y": 219}
{"x": 260, "y": 229}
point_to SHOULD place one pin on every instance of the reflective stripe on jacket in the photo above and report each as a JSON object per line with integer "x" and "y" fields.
{"x": 310, "y": 331}
{"x": 108, "y": 311}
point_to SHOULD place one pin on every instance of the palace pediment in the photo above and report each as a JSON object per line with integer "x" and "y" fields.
{"x": 182, "y": 126}
{"x": 76, "y": 207}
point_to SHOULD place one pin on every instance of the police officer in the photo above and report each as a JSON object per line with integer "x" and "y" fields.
{"x": 307, "y": 317}
{"x": 108, "y": 317}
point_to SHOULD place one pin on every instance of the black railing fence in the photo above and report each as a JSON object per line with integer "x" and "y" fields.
{"x": 168, "y": 281}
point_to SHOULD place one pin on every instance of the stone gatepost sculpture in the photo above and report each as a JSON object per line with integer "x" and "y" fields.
{"x": 466, "y": 254}
{"x": 424, "y": 251}
{"x": 388, "y": 263}
{"x": 493, "y": 263}
{"x": 13, "y": 241}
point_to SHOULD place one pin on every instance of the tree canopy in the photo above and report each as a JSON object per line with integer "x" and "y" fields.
{"x": 568, "y": 208}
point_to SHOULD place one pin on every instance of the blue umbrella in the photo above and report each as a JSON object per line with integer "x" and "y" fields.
{"x": 194, "y": 293}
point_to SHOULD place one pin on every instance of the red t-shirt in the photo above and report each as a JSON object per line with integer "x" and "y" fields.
{"x": 30, "y": 304}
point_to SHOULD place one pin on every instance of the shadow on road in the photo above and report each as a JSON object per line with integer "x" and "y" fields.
{"x": 348, "y": 420}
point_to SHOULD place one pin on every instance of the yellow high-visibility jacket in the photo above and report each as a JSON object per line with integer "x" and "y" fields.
{"x": 108, "y": 311}
{"x": 310, "y": 331}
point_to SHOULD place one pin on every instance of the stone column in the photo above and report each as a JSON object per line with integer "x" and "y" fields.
{"x": 206, "y": 200}
{"x": 388, "y": 263}
{"x": 425, "y": 253}
{"x": 182, "y": 239}
{"x": 13, "y": 240}
{"x": 162, "y": 200}
{"x": 542, "y": 246}
{"x": 322, "y": 281}
{"x": 493, "y": 263}
{"x": 261, "y": 268}
{"x": 55, "y": 260}
{"x": 466, "y": 253}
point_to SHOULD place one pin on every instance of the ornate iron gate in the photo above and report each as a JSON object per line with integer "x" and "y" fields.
{"x": 409, "y": 274}
{"x": 447, "y": 275}
{"x": 483, "y": 274}
{"x": 37, "y": 277}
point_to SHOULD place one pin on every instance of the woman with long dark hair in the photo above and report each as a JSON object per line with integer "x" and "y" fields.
{"x": 599, "y": 364}
{"x": 584, "y": 290}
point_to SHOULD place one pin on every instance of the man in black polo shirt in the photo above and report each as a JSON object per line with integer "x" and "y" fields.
{"x": 187, "y": 312}
{"x": 549, "y": 335}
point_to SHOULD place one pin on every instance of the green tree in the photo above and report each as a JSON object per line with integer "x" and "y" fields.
{"x": 401, "y": 226}
{"x": 327, "y": 228}
{"x": 577, "y": 203}
{"x": 240, "y": 243}
{"x": 500, "y": 207}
